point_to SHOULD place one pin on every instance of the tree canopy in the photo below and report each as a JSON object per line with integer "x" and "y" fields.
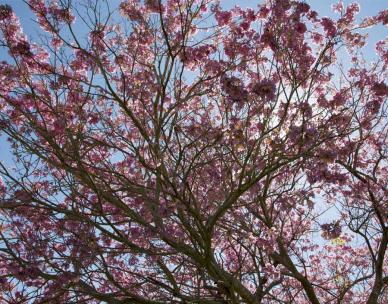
{"x": 173, "y": 151}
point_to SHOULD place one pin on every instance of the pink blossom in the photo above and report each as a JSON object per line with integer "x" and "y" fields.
{"x": 191, "y": 155}
{"x": 302, "y": 8}
{"x": 5, "y": 12}
{"x": 338, "y": 99}
{"x": 263, "y": 12}
{"x": 265, "y": 88}
{"x": 331, "y": 231}
{"x": 329, "y": 26}
{"x": 374, "y": 106}
{"x": 351, "y": 11}
{"x": 56, "y": 42}
{"x": 245, "y": 25}
{"x": 300, "y": 27}
{"x": 234, "y": 87}
{"x": 131, "y": 10}
{"x": 63, "y": 14}
{"x": 2, "y": 187}
{"x": 313, "y": 15}
{"x": 268, "y": 39}
{"x": 223, "y": 17}
{"x": 250, "y": 15}
{"x": 338, "y": 7}
{"x": 383, "y": 17}
{"x": 318, "y": 38}
{"x": 22, "y": 48}
{"x": 152, "y": 5}
{"x": 380, "y": 89}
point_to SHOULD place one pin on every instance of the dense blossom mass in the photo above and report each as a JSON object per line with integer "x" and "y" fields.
{"x": 172, "y": 151}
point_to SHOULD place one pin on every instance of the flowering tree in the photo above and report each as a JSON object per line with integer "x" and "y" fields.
{"x": 174, "y": 152}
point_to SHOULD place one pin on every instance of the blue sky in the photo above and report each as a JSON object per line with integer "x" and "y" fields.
{"x": 323, "y": 7}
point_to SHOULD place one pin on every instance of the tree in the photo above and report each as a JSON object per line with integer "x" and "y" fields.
{"x": 175, "y": 152}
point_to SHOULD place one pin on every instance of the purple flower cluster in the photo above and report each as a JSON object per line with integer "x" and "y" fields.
{"x": 234, "y": 88}
{"x": 380, "y": 89}
{"x": 331, "y": 231}
{"x": 265, "y": 89}
{"x": 5, "y": 12}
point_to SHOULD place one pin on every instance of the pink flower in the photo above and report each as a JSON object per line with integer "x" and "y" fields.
{"x": 317, "y": 38}
{"x": 351, "y": 10}
{"x": 63, "y": 15}
{"x": 250, "y": 15}
{"x": 223, "y": 17}
{"x": 338, "y": 7}
{"x": 383, "y": 17}
{"x": 234, "y": 87}
{"x": 94, "y": 119}
{"x": 2, "y": 187}
{"x": 380, "y": 89}
{"x": 56, "y": 42}
{"x": 131, "y": 11}
{"x": 58, "y": 127}
{"x": 5, "y": 12}
{"x": 331, "y": 231}
{"x": 373, "y": 106}
{"x": 329, "y": 26}
{"x": 282, "y": 6}
{"x": 152, "y": 5}
{"x": 213, "y": 67}
{"x": 245, "y": 25}
{"x": 265, "y": 89}
{"x": 97, "y": 37}
{"x": 22, "y": 48}
{"x": 263, "y": 12}
{"x": 312, "y": 15}
{"x": 338, "y": 99}
{"x": 302, "y": 7}
{"x": 300, "y": 28}
{"x": 269, "y": 40}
